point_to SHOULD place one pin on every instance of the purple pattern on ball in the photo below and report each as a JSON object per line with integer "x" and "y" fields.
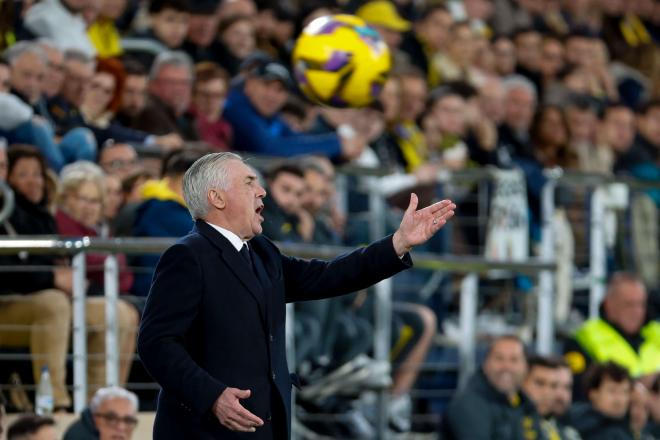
{"x": 330, "y": 27}
{"x": 375, "y": 90}
{"x": 337, "y": 101}
{"x": 300, "y": 76}
{"x": 337, "y": 60}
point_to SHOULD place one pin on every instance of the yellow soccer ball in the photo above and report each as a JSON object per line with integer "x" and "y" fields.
{"x": 340, "y": 61}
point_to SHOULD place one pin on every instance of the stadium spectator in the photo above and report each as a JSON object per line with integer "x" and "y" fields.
{"x": 237, "y": 40}
{"x": 622, "y": 334}
{"x": 28, "y": 64}
{"x": 163, "y": 212}
{"x": 505, "y": 56}
{"x": 118, "y": 159}
{"x": 492, "y": 406}
{"x": 457, "y": 62}
{"x": 383, "y": 16}
{"x": 61, "y": 21}
{"x": 618, "y": 128}
{"x": 201, "y": 43}
{"x": 582, "y": 121}
{"x": 430, "y": 36}
{"x": 549, "y": 136}
{"x": 646, "y": 166}
{"x": 111, "y": 414}
{"x": 168, "y": 26}
{"x": 563, "y": 400}
{"x": 608, "y": 387}
{"x": 408, "y": 135}
{"x": 80, "y": 202}
{"x": 551, "y": 61}
{"x": 32, "y": 427}
{"x": 445, "y": 125}
{"x": 545, "y": 387}
{"x": 134, "y": 96}
{"x": 38, "y": 299}
{"x": 54, "y": 77}
{"x": 170, "y": 92}
{"x": 210, "y": 92}
{"x": 78, "y": 72}
{"x": 284, "y": 214}
{"x": 528, "y": 44}
{"x": 253, "y": 110}
{"x": 103, "y": 32}
{"x": 113, "y": 200}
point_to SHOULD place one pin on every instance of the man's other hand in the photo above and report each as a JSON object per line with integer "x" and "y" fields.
{"x": 231, "y": 413}
{"x": 418, "y": 226}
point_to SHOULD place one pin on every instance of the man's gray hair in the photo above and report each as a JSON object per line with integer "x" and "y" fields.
{"x": 519, "y": 82}
{"x": 171, "y": 58}
{"x": 110, "y": 393}
{"x": 80, "y": 56}
{"x": 23, "y": 47}
{"x": 208, "y": 172}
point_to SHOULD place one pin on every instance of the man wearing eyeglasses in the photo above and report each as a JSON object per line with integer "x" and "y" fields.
{"x": 112, "y": 415}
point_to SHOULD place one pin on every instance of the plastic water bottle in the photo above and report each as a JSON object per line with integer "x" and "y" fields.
{"x": 44, "y": 396}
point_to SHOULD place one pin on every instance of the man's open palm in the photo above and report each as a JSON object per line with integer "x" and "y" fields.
{"x": 418, "y": 226}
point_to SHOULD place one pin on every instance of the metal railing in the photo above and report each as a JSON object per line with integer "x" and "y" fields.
{"x": 79, "y": 247}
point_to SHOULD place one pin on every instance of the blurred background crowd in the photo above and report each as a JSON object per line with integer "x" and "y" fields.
{"x": 104, "y": 104}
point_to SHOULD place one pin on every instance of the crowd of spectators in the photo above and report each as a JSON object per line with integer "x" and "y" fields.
{"x": 104, "y": 104}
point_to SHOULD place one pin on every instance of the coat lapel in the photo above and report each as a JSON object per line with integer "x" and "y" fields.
{"x": 235, "y": 263}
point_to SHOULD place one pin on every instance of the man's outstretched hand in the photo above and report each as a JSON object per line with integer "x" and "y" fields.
{"x": 418, "y": 226}
{"x": 231, "y": 413}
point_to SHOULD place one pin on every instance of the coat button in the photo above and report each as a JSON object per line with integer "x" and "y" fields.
{"x": 270, "y": 336}
{"x": 274, "y": 376}
{"x": 269, "y": 418}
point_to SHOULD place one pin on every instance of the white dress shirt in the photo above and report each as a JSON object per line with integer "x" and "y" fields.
{"x": 234, "y": 239}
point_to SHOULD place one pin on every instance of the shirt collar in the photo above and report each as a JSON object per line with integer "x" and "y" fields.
{"x": 234, "y": 239}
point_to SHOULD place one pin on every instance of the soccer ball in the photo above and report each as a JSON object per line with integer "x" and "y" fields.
{"x": 339, "y": 61}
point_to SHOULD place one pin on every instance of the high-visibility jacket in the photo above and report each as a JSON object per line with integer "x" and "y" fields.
{"x": 602, "y": 342}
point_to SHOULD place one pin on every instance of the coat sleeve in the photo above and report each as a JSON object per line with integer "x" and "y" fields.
{"x": 359, "y": 269}
{"x": 172, "y": 308}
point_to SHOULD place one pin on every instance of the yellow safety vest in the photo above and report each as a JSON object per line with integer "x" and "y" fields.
{"x": 603, "y": 343}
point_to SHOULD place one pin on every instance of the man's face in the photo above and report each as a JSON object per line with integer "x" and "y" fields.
{"x": 520, "y": 105}
{"x": 435, "y": 29}
{"x": 267, "y": 97}
{"x": 173, "y": 86}
{"x": 78, "y": 76}
{"x": 134, "y": 96}
{"x": 611, "y": 398}
{"x": 491, "y": 100}
{"x": 552, "y": 59}
{"x": 27, "y": 76}
{"x": 54, "y": 73}
{"x": 5, "y": 75}
{"x": 540, "y": 385}
{"x": 75, "y": 5}
{"x": 625, "y": 306}
{"x": 242, "y": 203}
{"x": 578, "y": 51}
{"x": 120, "y": 160}
{"x": 620, "y": 128}
{"x": 171, "y": 27}
{"x": 288, "y": 191}
{"x": 505, "y": 366}
{"x": 528, "y": 49}
{"x": 581, "y": 124}
{"x": 115, "y": 419}
{"x": 649, "y": 124}
{"x": 505, "y": 56}
{"x": 563, "y": 392}
{"x": 113, "y": 196}
{"x": 318, "y": 191}
{"x": 202, "y": 29}
{"x": 448, "y": 114}
{"x": 414, "y": 97}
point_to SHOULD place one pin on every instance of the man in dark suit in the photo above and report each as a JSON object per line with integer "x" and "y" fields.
{"x": 212, "y": 333}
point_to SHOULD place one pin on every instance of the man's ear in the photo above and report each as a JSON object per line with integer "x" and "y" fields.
{"x": 216, "y": 198}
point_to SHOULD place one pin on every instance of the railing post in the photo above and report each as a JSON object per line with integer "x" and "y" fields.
{"x": 545, "y": 312}
{"x": 111, "y": 287}
{"x": 382, "y": 305}
{"x": 467, "y": 325}
{"x": 289, "y": 334}
{"x": 79, "y": 333}
{"x": 597, "y": 255}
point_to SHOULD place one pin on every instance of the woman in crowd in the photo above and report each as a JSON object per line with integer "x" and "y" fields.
{"x": 80, "y": 206}
{"x": 209, "y": 93}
